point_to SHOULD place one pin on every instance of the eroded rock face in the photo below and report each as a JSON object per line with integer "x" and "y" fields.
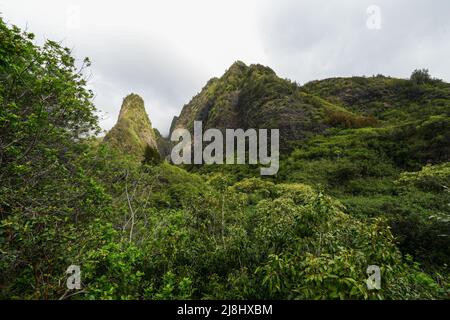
{"x": 254, "y": 97}
{"x": 133, "y": 131}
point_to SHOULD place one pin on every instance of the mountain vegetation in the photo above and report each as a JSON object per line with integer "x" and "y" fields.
{"x": 364, "y": 180}
{"x": 133, "y": 133}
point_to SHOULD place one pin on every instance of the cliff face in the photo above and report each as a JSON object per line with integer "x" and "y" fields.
{"x": 133, "y": 131}
{"x": 255, "y": 97}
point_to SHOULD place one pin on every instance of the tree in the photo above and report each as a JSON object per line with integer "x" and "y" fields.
{"x": 151, "y": 155}
{"x": 45, "y": 113}
{"x": 420, "y": 76}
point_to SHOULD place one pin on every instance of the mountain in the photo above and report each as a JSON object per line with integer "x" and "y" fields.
{"x": 412, "y": 119}
{"x": 380, "y": 145}
{"x": 133, "y": 133}
{"x": 163, "y": 143}
{"x": 255, "y": 97}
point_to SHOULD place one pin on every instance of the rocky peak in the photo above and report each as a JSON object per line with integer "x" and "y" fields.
{"x": 132, "y": 105}
{"x": 133, "y": 132}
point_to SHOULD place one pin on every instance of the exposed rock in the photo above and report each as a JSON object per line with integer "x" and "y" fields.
{"x": 254, "y": 97}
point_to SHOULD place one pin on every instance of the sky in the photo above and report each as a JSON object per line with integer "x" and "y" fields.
{"x": 167, "y": 50}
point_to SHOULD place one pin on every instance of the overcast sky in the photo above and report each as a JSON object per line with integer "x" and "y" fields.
{"x": 167, "y": 50}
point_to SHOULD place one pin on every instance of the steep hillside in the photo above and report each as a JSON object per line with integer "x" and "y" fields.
{"x": 133, "y": 132}
{"x": 255, "y": 97}
{"x": 388, "y": 99}
{"x": 366, "y": 167}
{"x": 407, "y": 119}
{"x": 354, "y": 138}
{"x": 163, "y": 143}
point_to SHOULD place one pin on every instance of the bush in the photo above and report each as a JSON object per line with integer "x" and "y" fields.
{"x": 420, "y": 76}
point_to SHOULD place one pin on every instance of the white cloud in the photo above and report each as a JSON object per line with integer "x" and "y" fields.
{"x": 167, "y": 50}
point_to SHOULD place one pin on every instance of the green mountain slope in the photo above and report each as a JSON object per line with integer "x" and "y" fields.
{"x": 133, "y": 132}
{"x": 352, "y": 137}
{"x": 255, "y": 97}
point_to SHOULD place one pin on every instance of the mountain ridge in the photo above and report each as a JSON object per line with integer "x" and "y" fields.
{"x": 255, "y": 97}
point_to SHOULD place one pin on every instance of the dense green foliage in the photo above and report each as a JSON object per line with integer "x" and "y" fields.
{"x": 150, "y": 230}
{"x": 366, "y": 134}
{"x": 363, "y": 167}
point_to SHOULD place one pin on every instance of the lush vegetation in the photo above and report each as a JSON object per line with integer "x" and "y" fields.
{"x": 133, "y": 133}
{"x": 356, "y": 193}
{"x": 368, "y": 168}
